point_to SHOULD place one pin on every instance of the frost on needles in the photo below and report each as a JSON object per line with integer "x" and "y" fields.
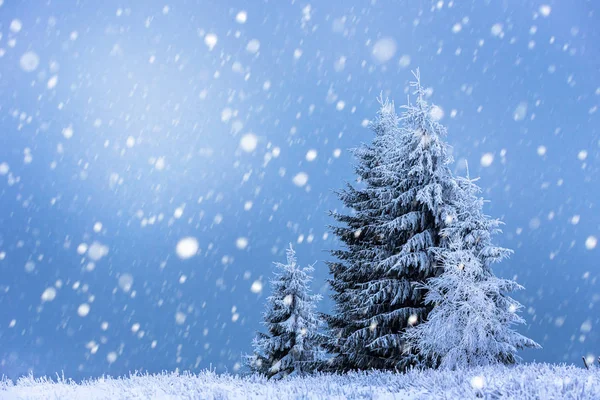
{"x": 291, "y": 346}
{"x": 472, "y": 318}
{"x": 398, "y": 209}
{"x": 410, "y": 224}
{"x": 412, "y": 283}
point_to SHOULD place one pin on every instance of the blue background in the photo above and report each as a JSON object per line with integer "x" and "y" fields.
{"x": 108, "y": 90}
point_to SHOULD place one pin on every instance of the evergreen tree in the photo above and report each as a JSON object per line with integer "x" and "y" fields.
{"x": 471, "y": 226}
{"x": 471, "y": 323}
{"x": 291, "y": 345}
{"x": 398, "y": 213}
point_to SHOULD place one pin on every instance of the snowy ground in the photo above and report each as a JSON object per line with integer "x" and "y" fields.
{"x": 533, "y": 381}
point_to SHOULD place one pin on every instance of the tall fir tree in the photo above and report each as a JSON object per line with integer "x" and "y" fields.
{"x": 292, "y": 344}
{"x": 472, "y": 321}
{"x": 398, "y": 212}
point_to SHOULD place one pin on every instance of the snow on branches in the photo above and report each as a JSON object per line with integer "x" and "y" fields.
{"x": 291, "y": 345}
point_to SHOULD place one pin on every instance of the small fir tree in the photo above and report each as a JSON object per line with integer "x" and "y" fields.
{"x": 291, "y": 345}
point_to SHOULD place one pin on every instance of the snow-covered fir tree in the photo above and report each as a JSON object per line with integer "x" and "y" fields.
{"x": 292, "y": 344}
{"x": 471, "y": 226}
{"x": 473, "y": 318}
{"x": 349, "y": 272}
{"x": 398, "y": 211}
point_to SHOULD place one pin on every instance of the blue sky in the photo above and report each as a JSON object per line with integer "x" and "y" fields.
{"x": 127, "y": 128}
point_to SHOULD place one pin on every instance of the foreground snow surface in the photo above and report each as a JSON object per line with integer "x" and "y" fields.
{"x": 532, "y": 381}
